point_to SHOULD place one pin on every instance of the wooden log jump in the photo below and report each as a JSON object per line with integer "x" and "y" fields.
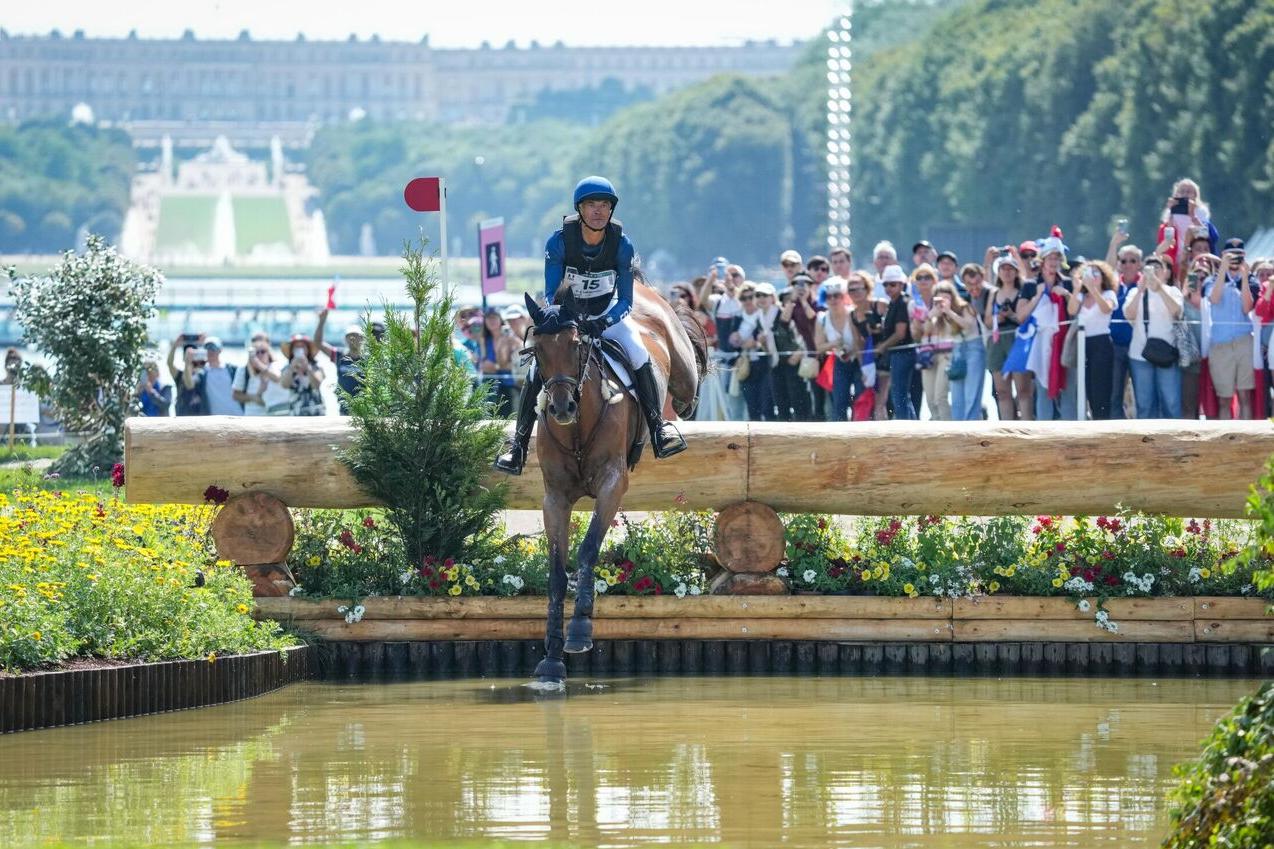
{"x": 866, "y": 468}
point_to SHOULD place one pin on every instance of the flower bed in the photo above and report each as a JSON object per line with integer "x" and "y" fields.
{"x": 87, "y": 576}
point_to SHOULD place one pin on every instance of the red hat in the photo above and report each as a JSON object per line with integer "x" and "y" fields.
{"x": 299, "y": 339}
{"x": 1028, "y": 245}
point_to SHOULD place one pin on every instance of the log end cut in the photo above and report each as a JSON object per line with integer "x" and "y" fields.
{"x": 254, "y": 529}
{"x": 749, "y": 538}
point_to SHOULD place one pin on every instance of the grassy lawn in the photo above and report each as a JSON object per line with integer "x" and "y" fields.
{"x": 185, "y": 221}
{"x": 18, "y": 471}
{"x": 260, "y": 221}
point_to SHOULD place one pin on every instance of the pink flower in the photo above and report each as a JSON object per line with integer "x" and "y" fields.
{"x": 369, "y": 522}
{"x": 117, "y": 475}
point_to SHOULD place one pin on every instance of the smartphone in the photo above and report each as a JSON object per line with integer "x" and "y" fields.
{"x": 1169, "y": 233}
{"x": 1180, "y": 206}
{"x": 721, "y": 264}
{"x": 1122, "y": 226}
{"x": 1004, "y": 252}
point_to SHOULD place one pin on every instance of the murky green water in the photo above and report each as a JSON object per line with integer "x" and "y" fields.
{"x": 803, "y": 762}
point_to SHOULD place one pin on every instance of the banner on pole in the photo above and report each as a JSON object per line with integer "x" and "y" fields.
{"x": 26, "y": 407}
{"x": 491, "y": 255}
{"x": 424, "y": 194}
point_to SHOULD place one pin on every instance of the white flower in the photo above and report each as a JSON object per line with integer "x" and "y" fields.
{"x": 933, "y": 579}
{"x": 1246, "y": 590}
{"x": 938, "y": 591}
{"x": 782, "y": 572}
{"x": 359, "y": 610}
{"x": 406, "y": 577}
{"x": 342, "y": 608}
{"x": 809, "y": 576}
{"x": 680, "y": 591}
{"x": 599, "y": 586}
{"x": 296, "y": 590}
{"x": 695, "y": 591}
{"x": 499, "y": 559}
{"x": 1102, "y": 616}
{"x": 1194, "y": 575}
{"x": 906, "y": 561}
{"x": 349, "y": 618}
{"x": 1084, "y": 605}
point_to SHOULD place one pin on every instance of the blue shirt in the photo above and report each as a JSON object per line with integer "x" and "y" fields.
{"x": 555, "y": 271}
{"x": 1229, "y": 322}
{"x": 1120, "y": 329}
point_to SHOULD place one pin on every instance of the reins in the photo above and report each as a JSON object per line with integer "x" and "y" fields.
{"x": 576, "y": 384}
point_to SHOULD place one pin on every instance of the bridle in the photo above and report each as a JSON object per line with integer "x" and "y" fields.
{"x": 589, "y": 356}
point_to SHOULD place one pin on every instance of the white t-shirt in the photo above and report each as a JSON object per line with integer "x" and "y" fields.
{"x": 764, "y": 319}
{"x": 220, "y": 400}
{"x": 276, "y": 398}
{"x": 1093, "y": 321}
{"x": 842, "y": 337}
{"x": 1160, "y": 319}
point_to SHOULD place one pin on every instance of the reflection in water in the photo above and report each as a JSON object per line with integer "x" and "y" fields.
{"x": 807, "y": 762}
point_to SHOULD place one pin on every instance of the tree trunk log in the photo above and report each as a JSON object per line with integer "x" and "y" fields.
{"x": 749, "y": 538}
{"x": 252, "y": 529}
{"x": 1178, "y": 468}
{"x": 748, "y": 583}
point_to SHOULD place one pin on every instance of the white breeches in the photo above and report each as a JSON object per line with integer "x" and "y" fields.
{"x": 628, "y": 335}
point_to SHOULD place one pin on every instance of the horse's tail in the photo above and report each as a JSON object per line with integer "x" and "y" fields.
{"x": 699, "y": 342}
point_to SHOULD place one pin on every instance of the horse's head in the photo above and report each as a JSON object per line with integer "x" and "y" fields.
{"x": 560, "y": 357}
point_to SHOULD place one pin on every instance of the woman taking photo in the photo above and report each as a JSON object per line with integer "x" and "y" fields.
{"x": 1014, "y": 392}
{"x": 867, "y": 315}
{"x": 496, "y": 360}
{"x": 947, "y": 324}
{"x": 898, "y": 345}
{"x": 834, "y": 337}
{"x": 1044, "y": 298}
{"x": 1157, "y": 388}
{"x": 1092, "y": 307}
{"x": 302, "y": 376}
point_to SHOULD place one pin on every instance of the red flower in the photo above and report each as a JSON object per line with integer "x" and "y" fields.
{"x": 433, "y": 585}
{"x": 1075, "y": 570}
{"x": 1112, "y": 581}
{"x": 117, "y": 475}
{"x": 1059, "y": 547}
{"x": 215, "y": 495}
{"x": 1045, "y": 521}
{"x": 1108, "y": 555}
{"x": 347, "y": 539}
{"x": 1178, "y": 552}
{"x": 1193, "y": 527}
{"x": 895, "y": 525}
{"x": 659, "y": 590}
{"x": 1037, "y": 530}
{"x": 884, "y": 537}
{"x": 101, "y": 510}
{"x": 1101, "y": 521}
{"x": 369, "y": 522}
{"x": 448, "y": 563}
{"x": 426, "y": 571}
{"x": 1115, "y": 526}
{"x": 645, "y": 582}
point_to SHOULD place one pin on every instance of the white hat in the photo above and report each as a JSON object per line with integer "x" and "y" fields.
{"x": 1002, "y": 261}
{"x": 835, "y": 286}
{"x": 1051, "y": 245}
{"x": 354, "y": 330}
{"x": 893, "y": 274}
{"x": 513, "y": 311}
{"x": 790, "y": 256}
{"x": 765, "y": 289}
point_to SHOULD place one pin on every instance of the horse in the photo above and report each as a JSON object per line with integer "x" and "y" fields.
{"x": 586, "y": 428}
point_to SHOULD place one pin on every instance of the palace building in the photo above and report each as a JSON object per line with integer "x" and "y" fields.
{"x": 248, "y": 90}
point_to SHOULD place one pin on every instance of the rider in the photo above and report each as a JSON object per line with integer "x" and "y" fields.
{"x": 591, "y": 255}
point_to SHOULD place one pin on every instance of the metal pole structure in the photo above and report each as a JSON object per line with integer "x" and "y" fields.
{"x": 13, "y": 411}
{"x": 442, "y": 230}
{"x": 482, "y": 284}
{"x": 1081, "y": 386}
{"x": 839, "y": 140}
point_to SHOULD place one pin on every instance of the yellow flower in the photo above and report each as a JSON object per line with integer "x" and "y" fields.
{"x": 243, "y": 608}
{"x": 993, "y": 586}
{"x": 470, "y": 581}
{"x": 1057, "y": 582}
{"x": 908, "y": 589}
{"x": 1205, "y": 572}
{"x": 314, "y": 560}
{"x": 212, "y": 657}
{"x": 455, "y": 590}
{"x": 37, "y": 636}
{"x": 1009, "y": 572}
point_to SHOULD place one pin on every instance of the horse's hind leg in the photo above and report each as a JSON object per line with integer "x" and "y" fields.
{"x": 557, "y": 515}
{"x": 579, "y": 635}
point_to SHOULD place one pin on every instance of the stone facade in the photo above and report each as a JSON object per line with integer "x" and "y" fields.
{"x": 257, "y": 88}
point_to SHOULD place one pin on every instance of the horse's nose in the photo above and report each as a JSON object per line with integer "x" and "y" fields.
{"x": 571, "y": 407}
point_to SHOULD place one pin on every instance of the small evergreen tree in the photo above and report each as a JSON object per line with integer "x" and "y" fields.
{"x": 88, "y": 315}
{"x": 425, "y": 439}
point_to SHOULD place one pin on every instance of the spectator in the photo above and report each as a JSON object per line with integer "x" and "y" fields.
{"x": 1158, "y": 388}
{"x": 898, "y": 345}
{"x": 495, "y": 361}
{"x": 923, "y": 253}
{"x": 1045, "y": 299}
{"x": 1028, "y": 259}
{"x": 1092, "y": 306}
{"x": 1230, "y": 350}
{"x": 348, "y": 360}
{"x": 192, "y": 400}
{"x": 1192, "y": 314}
{"x": 842, "y": 262}
{"x": 302, "y": 376}
{"x": 1129, "y": 266}
{"x": 1183, "y": 212}
{"x": 515, "y": 316}
{"x": 727, "y": 314}
{"x": 472, "y": 341}
{"x": 949, "y": 321}
{"x": 1263, "y": 309}
{"x": 219, "y": 382}
{"x": 948, "y": 264}
{"x": 752, "y": 339}
{"x": 257, "y": 385}
{"x": 792, "y": 264}
{"x": 868, "y": 317}
{"x": 154, "y": 396}
{"x": 834, "y": 337}
{"x": 966, "y": 395}
{"x": 1015, "y": 391}
{"x": 921, "y": 294}
{"x": 805, "y": 312}
{"x": 883, "y": 256}
{"x": 791, "y": 391}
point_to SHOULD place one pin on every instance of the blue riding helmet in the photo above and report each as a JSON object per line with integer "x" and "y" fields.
{"x": 595, "y": 188}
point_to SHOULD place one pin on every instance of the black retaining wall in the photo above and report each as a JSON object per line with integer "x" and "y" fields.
{"x": 50, "y": 699}
{"x": 515, "y": 658}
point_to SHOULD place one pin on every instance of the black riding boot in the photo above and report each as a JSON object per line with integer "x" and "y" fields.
{"x": 664, "y": 436}
{"x": 513, "y": 457}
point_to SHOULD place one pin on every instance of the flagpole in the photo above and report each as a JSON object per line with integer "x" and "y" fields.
{"x": 442, "y": 230}
{"x": 482, "y": 271}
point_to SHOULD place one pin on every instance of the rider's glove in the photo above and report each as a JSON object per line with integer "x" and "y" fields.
{"x": 593, "y": 327}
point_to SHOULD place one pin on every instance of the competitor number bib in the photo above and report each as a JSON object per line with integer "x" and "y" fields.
{"x": 590, "y": 284}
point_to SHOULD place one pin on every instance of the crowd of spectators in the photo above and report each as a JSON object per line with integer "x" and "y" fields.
{"x": 1179, "y": 330}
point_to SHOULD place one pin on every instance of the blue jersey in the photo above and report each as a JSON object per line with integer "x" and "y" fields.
{"x": 620, "y": 300}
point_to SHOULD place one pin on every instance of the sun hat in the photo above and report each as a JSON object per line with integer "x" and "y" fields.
{"x": 790, "y": 256}
{"x": 893, "y": 274}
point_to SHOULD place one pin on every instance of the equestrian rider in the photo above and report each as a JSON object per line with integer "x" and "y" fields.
{"x": 591, "y": 255}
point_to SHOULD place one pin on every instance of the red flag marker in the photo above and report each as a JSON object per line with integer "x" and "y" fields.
{"x": 331, "y": 296}
{"x": 424, "y": 194}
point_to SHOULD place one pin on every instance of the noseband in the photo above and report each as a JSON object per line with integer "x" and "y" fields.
{"x": 589, "y": 354}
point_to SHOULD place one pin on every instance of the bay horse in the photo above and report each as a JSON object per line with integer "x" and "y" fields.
{"x": 585, "y": 430}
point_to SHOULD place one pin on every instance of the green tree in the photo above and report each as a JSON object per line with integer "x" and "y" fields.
{"x": 424, "y": 439}
{"x": 88, "y": 315}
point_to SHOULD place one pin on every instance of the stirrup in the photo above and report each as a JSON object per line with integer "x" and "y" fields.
{"x": 512, "y": 459}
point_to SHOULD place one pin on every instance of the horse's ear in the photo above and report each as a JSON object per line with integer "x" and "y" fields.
{"x": 569, "y": 307}
{"x": 537, "y": 314}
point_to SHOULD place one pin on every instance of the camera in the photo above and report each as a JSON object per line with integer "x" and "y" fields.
{"x": 1005, "y": 252}
{"x": 190, "y": 340}
{"x": 1180, "y": 206}
{"x": 873, "y": 320}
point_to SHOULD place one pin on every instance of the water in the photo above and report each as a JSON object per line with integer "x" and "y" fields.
{"x": 803, "y": 762}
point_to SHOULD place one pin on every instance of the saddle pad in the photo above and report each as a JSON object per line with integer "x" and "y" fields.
{"x": 620, "y": 368}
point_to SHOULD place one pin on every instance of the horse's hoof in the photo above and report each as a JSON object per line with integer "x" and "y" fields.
{"x": 579, "y": 635}
{"x": 550, "y": 671}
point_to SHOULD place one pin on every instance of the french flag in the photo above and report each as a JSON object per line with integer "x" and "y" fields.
{"x": 868, "y": 361}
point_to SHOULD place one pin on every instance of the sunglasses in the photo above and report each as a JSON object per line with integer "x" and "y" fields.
{"x": 745, "y": 297}
{"x": 1129, "y": 261}
{"x": 923, "y": 277}
{"x": 735, "y": 274}
{"x": 837, "y": 295}
{"x": 820, "y": 268}
{"x": 1029, "y": 254}
{"x": 856, "y": 290}
{"x": 892, "y": 283}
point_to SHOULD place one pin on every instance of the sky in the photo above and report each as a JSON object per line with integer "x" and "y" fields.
{"x": 456, "y": 23}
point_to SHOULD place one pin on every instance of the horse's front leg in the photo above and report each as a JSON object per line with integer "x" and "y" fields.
{"x": 557, "y": 516}
{"x": 610, "y": 491}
